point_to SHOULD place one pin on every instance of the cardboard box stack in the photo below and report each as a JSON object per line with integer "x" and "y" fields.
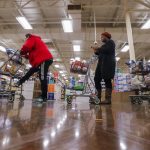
{"x": 51, "y": 90}
{"x": 122, "y": 82}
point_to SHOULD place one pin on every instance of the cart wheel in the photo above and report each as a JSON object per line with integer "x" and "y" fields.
{"x": 97, "y": 101}
{"x": 10, "y": 99}
{"x": 133, "y": 101}
{"x": 21, "y": 98}
{"x": 140, "y": 101}
{"x": 91, "y": 100}
{"x": 69, "y": 100}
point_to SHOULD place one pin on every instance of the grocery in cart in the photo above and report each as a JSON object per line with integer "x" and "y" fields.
{"x": 87, "y": 90}
{"x": 10, "y": 71}
{"x": 140, "y": 82}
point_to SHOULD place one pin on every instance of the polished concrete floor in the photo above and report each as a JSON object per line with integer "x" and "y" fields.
{"x": 56, "y": 126}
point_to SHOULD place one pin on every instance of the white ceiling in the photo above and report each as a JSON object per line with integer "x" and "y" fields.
{"x": 45, "y": 16}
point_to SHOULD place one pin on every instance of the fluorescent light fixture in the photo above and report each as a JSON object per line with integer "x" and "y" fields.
{"x": 67, "y": 25}
{"x": 24, "y": 22}
{"x": 61, "y": 72}
{"x": 146, "y": 25}
{"x": 3, "y": 49}
{"x": 77, "y": 58}
{"x": 125, "y": 48}
{"x": 76, "y": 48}
{"x": 57, "y": 66}
{"x": 117, "y": 58}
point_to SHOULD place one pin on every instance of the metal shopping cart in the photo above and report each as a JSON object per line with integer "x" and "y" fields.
{"x": 84, "y": 68}
{"x": 12, "y": 69}
{"x": 140, "y": 83}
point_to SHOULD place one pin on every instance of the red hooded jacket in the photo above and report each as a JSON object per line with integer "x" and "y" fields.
{"x": 36, "y": 51}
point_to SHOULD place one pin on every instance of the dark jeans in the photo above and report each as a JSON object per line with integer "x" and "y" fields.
{"x": 42, "y": 70}
{"x": 98, "y": 78}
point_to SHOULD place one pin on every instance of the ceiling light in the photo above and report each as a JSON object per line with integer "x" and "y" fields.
{"x": 67, "y": 25}
{"x": 57, "y": 66}
{"x": 63, "y": 75}
{"x": 146, "y": 25}
{"x": 3, "y": 49}
{"x": 76, "y": 48}
{"x": 24, "y": 22}
{"x": 125, "y": 48}
{"x": 77, "y": 58}
{"x": 117, "y": 58}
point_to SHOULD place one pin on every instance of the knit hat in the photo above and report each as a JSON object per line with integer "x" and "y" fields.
{"x": 108, "y": 35}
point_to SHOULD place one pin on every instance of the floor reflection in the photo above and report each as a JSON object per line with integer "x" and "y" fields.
{"x": 79, "y": 126}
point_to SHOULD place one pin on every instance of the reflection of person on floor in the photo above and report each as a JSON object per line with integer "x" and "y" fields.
{"x": 40, "y": 58}
{"x": 105, "y": 67}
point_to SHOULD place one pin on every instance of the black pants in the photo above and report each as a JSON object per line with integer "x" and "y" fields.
{"x": 42, "y": 70}
{"x": 98, "y": 78}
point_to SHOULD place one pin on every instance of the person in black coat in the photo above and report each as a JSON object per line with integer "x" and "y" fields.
{"x": 105, "y": 67}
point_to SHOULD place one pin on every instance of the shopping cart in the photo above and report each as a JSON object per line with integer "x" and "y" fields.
{"x": 12, "y": 69}
{"x": 140, "y": 83}
{"x": 84, "y": 68}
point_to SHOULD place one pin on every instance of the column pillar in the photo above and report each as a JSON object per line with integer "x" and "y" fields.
{"x": 130, "y": 36}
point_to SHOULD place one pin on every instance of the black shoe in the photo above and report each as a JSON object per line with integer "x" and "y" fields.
{"x": 44, "y": 100}
{"x": 106, "y": 102}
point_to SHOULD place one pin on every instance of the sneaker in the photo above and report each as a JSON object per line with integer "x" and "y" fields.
{"x": 41, "y": 100}
{"x": 44, "y": 100}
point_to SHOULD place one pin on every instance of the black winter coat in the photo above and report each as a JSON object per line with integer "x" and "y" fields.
{"x": 107, "y": 61}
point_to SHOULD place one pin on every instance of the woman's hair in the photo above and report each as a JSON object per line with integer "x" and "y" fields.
{"x": 27, "y": 35}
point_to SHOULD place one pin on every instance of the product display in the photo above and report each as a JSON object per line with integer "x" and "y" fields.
{"x": 79, "y": 67}
{"x": 140, "y": 80}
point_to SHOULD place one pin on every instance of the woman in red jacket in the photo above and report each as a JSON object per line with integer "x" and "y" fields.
{"x": 40, "y": 58}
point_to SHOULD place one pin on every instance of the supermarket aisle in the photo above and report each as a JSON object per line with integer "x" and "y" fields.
{"x": 56, "y": 126}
